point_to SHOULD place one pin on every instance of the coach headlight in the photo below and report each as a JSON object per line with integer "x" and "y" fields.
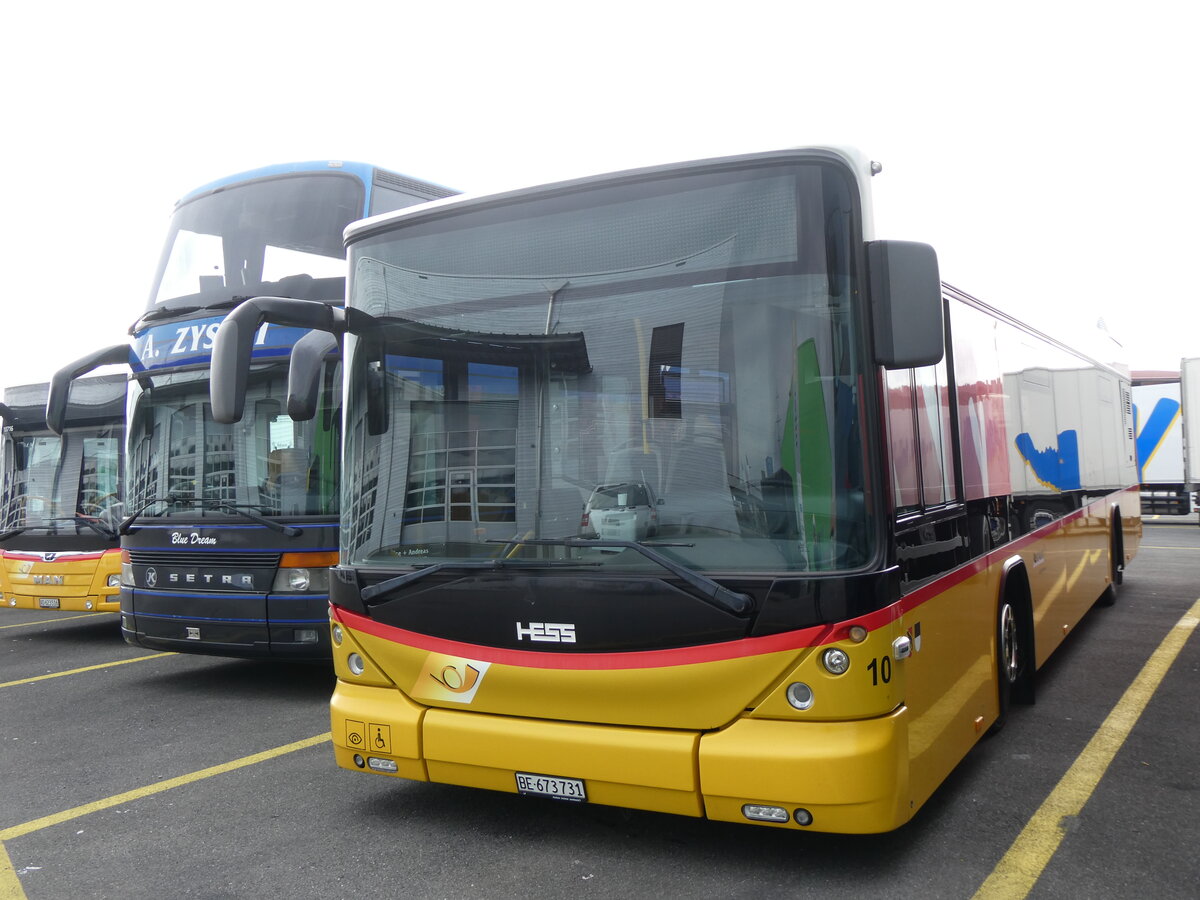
{"x": 304, "y": 572}
{"x": 114, "y": 580}
{"x": 126, "y": 577}
{"x": 301, "y": 579}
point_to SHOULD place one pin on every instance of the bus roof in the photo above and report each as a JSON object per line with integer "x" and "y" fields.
{"x": 362, "y": 170}
{"x": 852, "y": 159}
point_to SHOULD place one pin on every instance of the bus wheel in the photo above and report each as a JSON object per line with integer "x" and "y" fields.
{"x": 1010, "y": 661}
{"x": 1116, "y": 563}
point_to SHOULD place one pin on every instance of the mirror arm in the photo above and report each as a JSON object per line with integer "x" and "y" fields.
{"x": 60, "y": 384}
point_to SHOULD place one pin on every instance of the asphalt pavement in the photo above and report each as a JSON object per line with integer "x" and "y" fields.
{"x": 130, "y": 774}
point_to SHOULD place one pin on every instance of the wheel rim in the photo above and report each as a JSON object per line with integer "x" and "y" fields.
{"x": 1010, "y": 657}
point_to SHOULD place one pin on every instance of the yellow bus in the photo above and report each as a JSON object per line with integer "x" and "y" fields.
{"x": 60, "y": 499}
{"x": 676, "y": 489}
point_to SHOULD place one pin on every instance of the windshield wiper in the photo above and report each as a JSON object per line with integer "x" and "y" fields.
{"x": 710, "y": 591}
{"x": 12, "y": 532}
{"x": 90, "y": 523}
{"x": 128, "y": 521}
{"x": 241, "y": 510}
{"x": 371, "y": 592}
{"x": 163, "y": 312}
{"x": 289, "y": 530}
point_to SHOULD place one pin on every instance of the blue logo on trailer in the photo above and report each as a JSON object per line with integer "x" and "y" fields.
{"x": 1056, "y": 467}
{"x": 1150, "y": 436}
{"x": 188, "y": 343}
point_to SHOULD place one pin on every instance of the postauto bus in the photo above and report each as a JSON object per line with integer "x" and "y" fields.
{"x": 880, "y": 503}
{"x": 60, "y": 499}
{"x": 228, "y": 531}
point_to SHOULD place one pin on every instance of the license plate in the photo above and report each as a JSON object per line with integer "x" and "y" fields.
{"x": 48, "y": 603}
{"x": 550, "y": 786}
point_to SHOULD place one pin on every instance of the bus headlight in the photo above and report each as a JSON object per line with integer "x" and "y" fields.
{"x": 126, "y": 577}
{"x": 301, "y": 579}
{"x": 356, "y": 664}
{"x": 114, "y": 580}
{"x": 836, "y": 661}
{"x": 800, "y": 695}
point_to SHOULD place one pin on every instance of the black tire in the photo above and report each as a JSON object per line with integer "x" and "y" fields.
{"x": 1116, "y": 561}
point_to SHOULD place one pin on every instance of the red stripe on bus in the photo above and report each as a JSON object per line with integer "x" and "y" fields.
{"x": 638, "y": 659}
{"x": 681, "y": 656}
{"x": 37, "y": 557}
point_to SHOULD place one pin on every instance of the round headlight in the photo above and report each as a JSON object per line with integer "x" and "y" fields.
{"x": 800, "y": 695}
{"x": 298, "y": 579}
{"x": 836, "y": 661}
{"x": 337, "y": 634}
{"x": 356, "y": 664}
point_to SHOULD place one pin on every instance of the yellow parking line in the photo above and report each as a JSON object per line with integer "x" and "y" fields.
{"x": 119, "y": 662}
{"x": 56, "y": 619}
{"x": 10, "y": 884}
{"x": 1023, "y": 864}
{"x": 1153, "y": 547}
{"x": 16, "y": 831}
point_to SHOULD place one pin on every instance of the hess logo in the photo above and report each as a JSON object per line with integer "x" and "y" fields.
{"x": 548, "y": 632}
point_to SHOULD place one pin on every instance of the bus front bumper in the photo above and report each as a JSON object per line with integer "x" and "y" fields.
{"x": 845, "y": 777}
{"x": 82, "y": 603}
{"x": 249, "y": 626}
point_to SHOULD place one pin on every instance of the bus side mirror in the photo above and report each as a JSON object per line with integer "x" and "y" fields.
{"x": 906, "y": 304}
{"x": 304, "y": 373}
{"x": 234, "y": 344}
{"x": 60, "y": 384}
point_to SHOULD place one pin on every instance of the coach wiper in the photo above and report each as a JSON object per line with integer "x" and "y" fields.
{"x": 370, "y": 593}
{"x": 164, "y": 312}
{"x": 710, "y": 591}
{"x": 241, "y": 510}
{"x": 128, "y": 521}
{"x": 11, "y": 533}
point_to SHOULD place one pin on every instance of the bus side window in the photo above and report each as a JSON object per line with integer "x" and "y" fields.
{"x": 933, "y": 431}
{"x": 901, "y": 417}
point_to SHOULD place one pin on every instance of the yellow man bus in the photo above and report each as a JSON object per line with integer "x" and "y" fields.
{"x": 60, "y": 499}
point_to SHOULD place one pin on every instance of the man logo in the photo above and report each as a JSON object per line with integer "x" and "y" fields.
{"x": 151, "y": 577}
{"x": 49, "y": 557}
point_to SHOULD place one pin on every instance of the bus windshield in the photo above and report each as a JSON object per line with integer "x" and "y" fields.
{"x": 677, "y": 362}
{"x": 278, "y": 236}
{"x": 267, "y": 463}
{"x": 57, "y": 484}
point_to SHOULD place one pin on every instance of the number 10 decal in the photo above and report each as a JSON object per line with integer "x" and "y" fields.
{"x": 881, "y": 670}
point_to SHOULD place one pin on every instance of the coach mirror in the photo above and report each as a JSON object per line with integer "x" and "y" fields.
{"x": 304, "y": 373}
{"x": 906, "y": 304}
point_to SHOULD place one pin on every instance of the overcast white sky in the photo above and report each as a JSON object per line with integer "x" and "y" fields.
{"x": 1045, "y": 149}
